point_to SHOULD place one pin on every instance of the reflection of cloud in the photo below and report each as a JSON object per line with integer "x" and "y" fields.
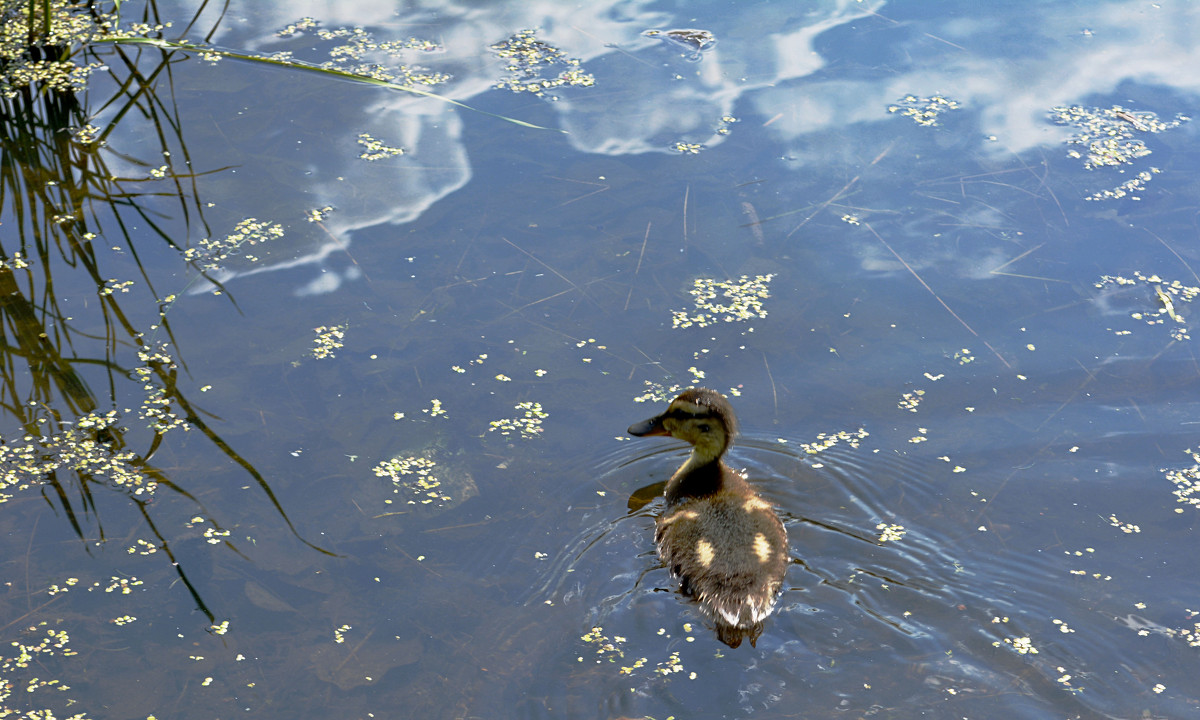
{"x": 648, "y": 96}
{"x": 1013, "y": 86}
{"x": 1006, "y": 82}
{"x": 648, "y": 100}
{"x": 394, "y": 190}
{"x": 319, "y": 154}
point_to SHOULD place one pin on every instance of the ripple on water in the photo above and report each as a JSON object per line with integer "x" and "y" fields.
{"x": 981, "y": 619}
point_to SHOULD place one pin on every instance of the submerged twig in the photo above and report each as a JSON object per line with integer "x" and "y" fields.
{"x": 996, "y": 270}
{"x": 774, "y": 392}
{"x": 637, "y": 269}
{"x": 1177, "y": 255}
{"x": 935, "y": 295}
{"x": 841, "y": 192}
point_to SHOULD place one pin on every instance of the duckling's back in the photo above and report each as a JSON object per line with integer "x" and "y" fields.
{"x": 730, "y": 551}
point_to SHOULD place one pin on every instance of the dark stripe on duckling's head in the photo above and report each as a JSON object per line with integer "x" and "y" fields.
{"x": 700, "y": 416}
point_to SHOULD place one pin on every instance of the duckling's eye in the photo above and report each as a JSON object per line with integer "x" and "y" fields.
{"x": 705, "y": 427}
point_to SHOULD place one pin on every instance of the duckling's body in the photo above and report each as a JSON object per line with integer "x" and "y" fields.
{"x": 723, "y": 541}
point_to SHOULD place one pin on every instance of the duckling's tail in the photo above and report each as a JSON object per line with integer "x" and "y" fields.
{"x": 733, "y": 636}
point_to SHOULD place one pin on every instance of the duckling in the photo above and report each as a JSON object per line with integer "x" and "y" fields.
{"x": 725, "y": 543}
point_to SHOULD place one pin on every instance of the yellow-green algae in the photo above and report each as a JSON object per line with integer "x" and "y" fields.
{"x": 375, "y": 149}
{"x": 329, "y": 338}
{"x": 1108, "y": 135}
{"x": 1186, "y": 482}
{"x": 611, "y": 650}
{"x": 211, "y": 253}
{"x": 27, "y": 461}
{"x": 923, "y": 110}
{"x": 352, "y": 49}
{"x": 825, "y": 441}
{"x": 415, "y": 476}
{"x": 528, "y": 425}
{"x": 529, "y": 60}
{"x": 1168, "y": 295}
{"x": 68, "y": 28}
{"x": 740, "y": 300}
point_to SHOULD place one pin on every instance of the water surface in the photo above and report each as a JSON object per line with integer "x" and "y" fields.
{"x": 942, "y": 348}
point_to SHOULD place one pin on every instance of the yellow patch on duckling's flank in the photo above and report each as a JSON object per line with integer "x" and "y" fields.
{"x": 680, "y": 515}
{"x": 755, "y": 503}
{"x": 761, "y": 547}
{"x": 705, "y": 553}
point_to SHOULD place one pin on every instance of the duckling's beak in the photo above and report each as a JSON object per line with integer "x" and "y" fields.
{"x": 653, "y": 426}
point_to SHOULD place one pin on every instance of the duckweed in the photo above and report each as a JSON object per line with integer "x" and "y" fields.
{"x": 1186, "y": 482}
{"x": 1127, "y": 188}
{"x": 113, "y": 286}
{"x": 318, "y": 214}
{"x": 658, "y": 392}
{"x": 1167, "y": 293}
{"x": 435, "y": 409}
{"x": 142, "y": 547}
{"x": 1125, "y": 527}
{"x": 529, "y": 58}
{"x": 528, "y": 425}
{"x": 353, "y": 50}
{"x": 34, "y": 653}
{"x": 247, "y": 233}
{"x": 122, "y": 585}
{"x": 26, "y": 462}
{"x": 375, "y": 149}
{"x": 611, "y": 650}
{"x": 1023, "y": 645}
{"x": 67, "y": 27}
{"x": 825, "y": 441}
{"x": 923, "y": 110}
{"x": 157, "y": 404}
{"x": 16, "y": 262}
{"x": 740, "y": 300}
{"x": 329, "y": 338}
{"x": 911, "y": 400}
{"x": 416, "y": 476}
{"x": 1108, "y": 134}
{"x": 1062, "y": 626}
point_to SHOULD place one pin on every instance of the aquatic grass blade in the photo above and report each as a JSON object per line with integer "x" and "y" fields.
{"x": 305, "y": 67}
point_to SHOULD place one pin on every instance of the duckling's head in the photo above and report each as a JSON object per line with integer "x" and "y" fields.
{"x": 700, "y": 416}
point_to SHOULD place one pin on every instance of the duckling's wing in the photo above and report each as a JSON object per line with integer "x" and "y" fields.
{"x": 730, "y": 552}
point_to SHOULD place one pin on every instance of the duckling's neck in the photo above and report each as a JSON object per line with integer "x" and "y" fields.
{"x": 702, "y": 474}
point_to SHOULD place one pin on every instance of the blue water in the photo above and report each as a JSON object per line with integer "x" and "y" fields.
{"x": 941, "y": 255}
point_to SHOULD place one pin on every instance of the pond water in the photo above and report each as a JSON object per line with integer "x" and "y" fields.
{"x": 367, "y": 451}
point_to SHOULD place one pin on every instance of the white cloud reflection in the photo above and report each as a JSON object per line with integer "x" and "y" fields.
{"x": 648, "y": 95}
